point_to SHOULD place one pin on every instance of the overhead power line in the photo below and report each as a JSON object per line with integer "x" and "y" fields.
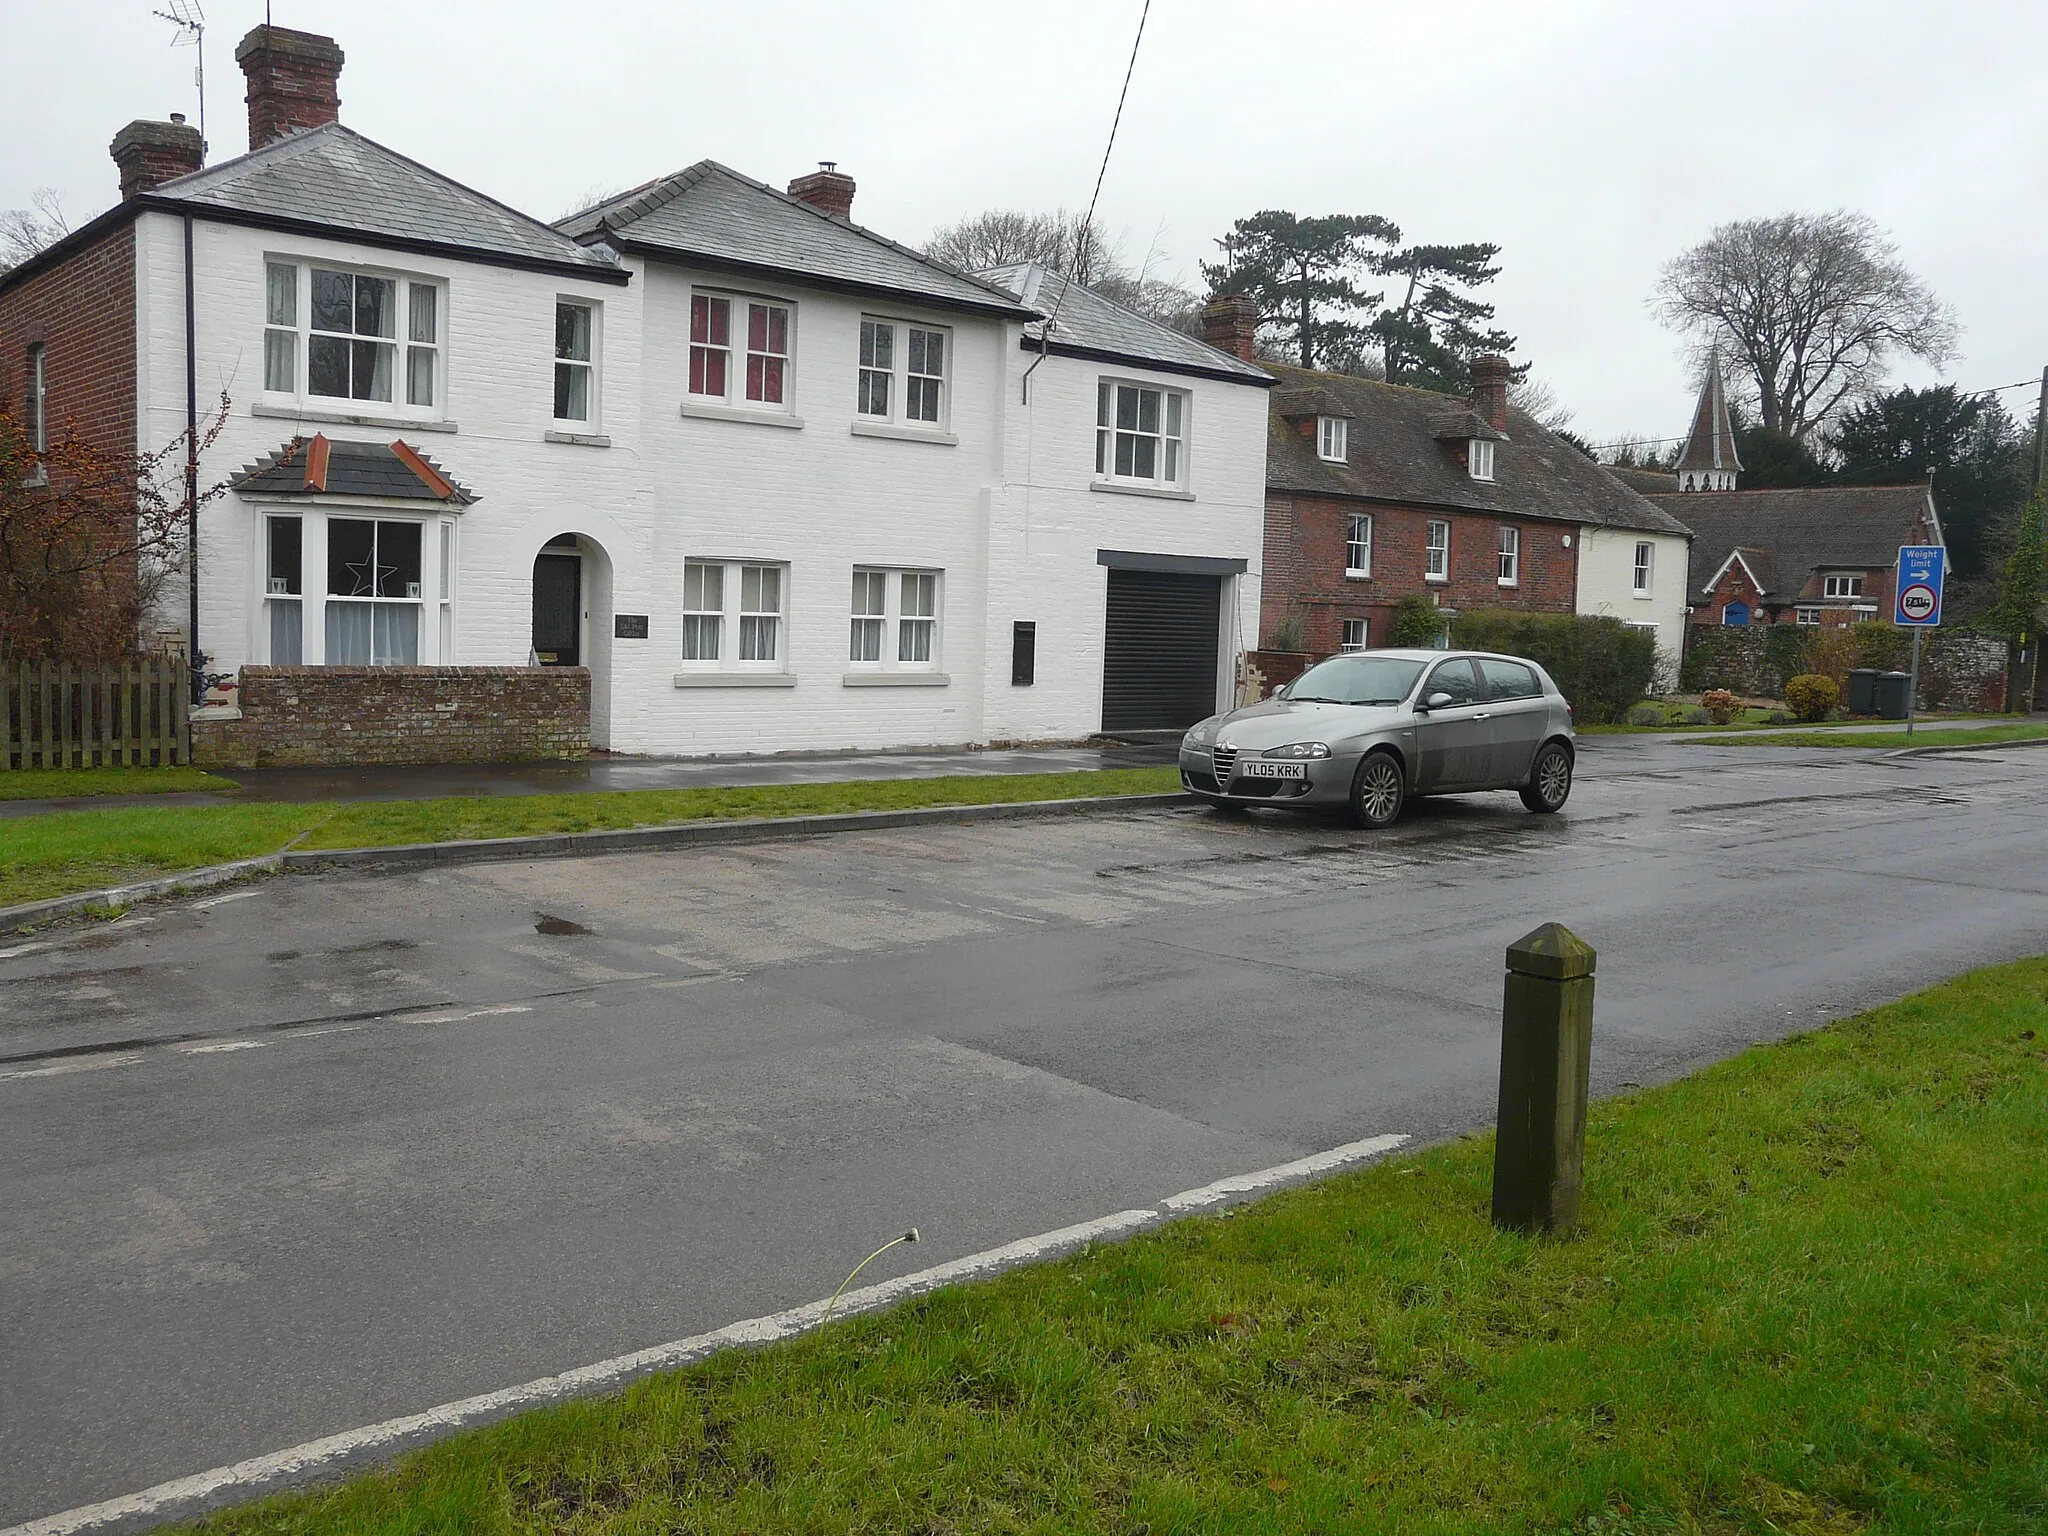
{"x": 1088, "y": 223}
{"x": 1661, "y": 442}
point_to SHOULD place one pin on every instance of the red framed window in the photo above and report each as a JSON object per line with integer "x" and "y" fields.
{"x": 710, "y": 344}
{"x": 767, "y": 353}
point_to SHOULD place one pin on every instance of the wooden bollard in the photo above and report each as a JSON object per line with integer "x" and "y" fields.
{"x": 1546, "y": 1054}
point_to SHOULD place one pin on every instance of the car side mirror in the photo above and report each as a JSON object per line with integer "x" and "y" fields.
{"x": 1438, "y": 701}
{"x": 1281, "y": 691}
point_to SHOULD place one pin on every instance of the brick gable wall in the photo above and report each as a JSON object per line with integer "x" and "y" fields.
{"x": 1305, "y": 566}
{"x": 83, "y": 312}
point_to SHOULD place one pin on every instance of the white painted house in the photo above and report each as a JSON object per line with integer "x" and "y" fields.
{"x": 780, "y": 483}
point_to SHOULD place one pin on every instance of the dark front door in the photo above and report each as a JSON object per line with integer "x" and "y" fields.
{"x": 558, "y": 609}
{"x": 1159, "y": 658}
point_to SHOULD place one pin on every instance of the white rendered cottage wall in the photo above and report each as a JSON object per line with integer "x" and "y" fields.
{"x": 1047, "y": 521}
{"x": 820, "y": 499}
{"x": 1607, "y": 567}
{"x": 497, "y": 389}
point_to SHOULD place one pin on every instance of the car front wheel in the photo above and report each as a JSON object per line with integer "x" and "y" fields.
{"x": 1378, "y": 791}
{"x": 1550, "y": 781}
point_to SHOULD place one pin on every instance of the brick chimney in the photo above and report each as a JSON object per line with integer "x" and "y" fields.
{"x": 1490, "y": 373}
{"x": 292, "y": 82}
{"x": 828, "y": 189}
{"x": 1231, "y": 324}
{"x": 150, "y": 154}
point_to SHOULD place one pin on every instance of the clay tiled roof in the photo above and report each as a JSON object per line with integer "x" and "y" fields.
{"x": 1787, "y": 535}
{"x": 1395, "y": 455}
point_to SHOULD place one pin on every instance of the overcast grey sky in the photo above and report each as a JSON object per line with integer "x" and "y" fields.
{"x": 1591, "y": 139}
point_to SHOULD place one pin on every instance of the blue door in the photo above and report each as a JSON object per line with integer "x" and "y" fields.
{"x": 1735, "y": 615}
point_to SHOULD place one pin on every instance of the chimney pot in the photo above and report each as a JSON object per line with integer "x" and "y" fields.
{"x": 294, "y": 80}
{"x": 150, "y": 154}
{"x": 1230, "y": 323}
{"x": 828, "y": 189}
{"x": 1490, "y": 375}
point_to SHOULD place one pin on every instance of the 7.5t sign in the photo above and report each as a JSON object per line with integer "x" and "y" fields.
{"x": 1916, "y": 603}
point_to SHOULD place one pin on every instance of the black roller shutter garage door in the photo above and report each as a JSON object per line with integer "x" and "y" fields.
{"x": 1159, "y": 650}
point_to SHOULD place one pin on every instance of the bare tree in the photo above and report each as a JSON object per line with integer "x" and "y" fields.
{"x": 1538, "y": 398}
{"x": 26, "y": 232}
{"x": 1810, "y": 307}
{"x": 1068, "y": 245}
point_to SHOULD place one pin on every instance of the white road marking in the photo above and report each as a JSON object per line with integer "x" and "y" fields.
{"x": 1246, "y": 1183}
{"x": 457, "y": 1018}
{"x": 213, "y": 1047}
{"x": 221, "y": 901}
{"x": 332, "y": 1029}
{"x": 300, "y": 1461}
{"x": 23, "y": 949}
{"x": 65, "y": 1068}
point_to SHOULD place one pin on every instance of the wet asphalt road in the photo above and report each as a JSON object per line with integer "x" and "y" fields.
{"x": 323, "y": 1150}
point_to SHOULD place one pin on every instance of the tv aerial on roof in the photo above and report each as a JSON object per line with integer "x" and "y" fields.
{"x": 189, "y": 17}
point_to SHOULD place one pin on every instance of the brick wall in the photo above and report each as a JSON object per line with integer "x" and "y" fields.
{"x": 345, "y": 716}
{"x": 83, "y": 312}
{"x": 1305, "y": 565}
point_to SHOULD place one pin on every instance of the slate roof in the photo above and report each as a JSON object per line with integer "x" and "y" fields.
{"x": 1787, "y": 535}
{"x": 1092, "y": 325}
{"x": 1651, "y": 482}
{"x": 1395, "y": 455}
{"x": 1711, "y": 443}
{"x": 712, "y": 215}
{"x": 351, "y": 469}
{"x": 333, "y": 179}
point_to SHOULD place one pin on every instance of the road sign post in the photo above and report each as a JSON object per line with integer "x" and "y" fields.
{"x": 1916, "y": 605}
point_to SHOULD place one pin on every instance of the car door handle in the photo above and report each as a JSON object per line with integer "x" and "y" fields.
{"x": 1483, "y": 715}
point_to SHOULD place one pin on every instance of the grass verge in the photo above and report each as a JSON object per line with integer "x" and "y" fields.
{"x": 1807, "y": 1300}
{"x": 62, "y": 783}
{"x": 1879, "y": 740}
{"x": 53, "y": 855}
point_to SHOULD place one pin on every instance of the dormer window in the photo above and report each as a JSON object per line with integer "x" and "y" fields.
{"x": 1333, "y": 439}
{"x": 1844, "y": 584}
{"x": 1479, "y": 458}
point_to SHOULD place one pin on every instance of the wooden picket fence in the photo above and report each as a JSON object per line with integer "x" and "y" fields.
{"x": 57, "y": 714}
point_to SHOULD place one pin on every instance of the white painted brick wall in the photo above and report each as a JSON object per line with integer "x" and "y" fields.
{"x": 1607, "y": 573}
{"x": 1005, "y": 513}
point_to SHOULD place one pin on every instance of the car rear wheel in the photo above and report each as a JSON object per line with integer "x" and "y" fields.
{"x": 1378, "y": 790}
{"x": 1550, "y": 780}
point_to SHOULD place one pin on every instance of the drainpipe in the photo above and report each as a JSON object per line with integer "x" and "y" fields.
{"x": 195, "y": 662}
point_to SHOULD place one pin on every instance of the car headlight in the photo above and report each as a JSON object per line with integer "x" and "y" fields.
{"x": 1299, "y": 749}
{"x": 1198, "y": 736}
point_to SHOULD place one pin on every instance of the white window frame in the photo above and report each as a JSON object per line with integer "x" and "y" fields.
{"x": 1645, "y": 569}
{"x": 1510, "y": 557}
{"x": 288, "y": 339}
{"x": 735, "y": 616}
{"x": 1436, "y": 558}
{"x": 591, "y": 364}
{"x": 1479, "y": 458}
{"x": 1806, "y": 617}
{"x": 1842, "y": 584}
{"x": 887, "y": 368}
{"x": 1333, "y": 439}
{"x": 739, "y": 351}
{"x": 1358, "y": 544}
{"x": 1362, "y": 628}
{"x": 36, "y": 400}
{"x": 434, "y": 605}
{"x": 895, "y": 623}
{"x": 1170, "y": 453}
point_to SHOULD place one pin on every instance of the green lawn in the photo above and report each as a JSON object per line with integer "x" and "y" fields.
{"x": 67, "y": 851}
{"x": 57, "y": 783}
{"x": 1809, "y": 1299}
{"x": 1875, "y": 740}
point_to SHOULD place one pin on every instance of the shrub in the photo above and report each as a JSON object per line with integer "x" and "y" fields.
{"x": 1697, "y": 716}
{"x": 1833, "y": 653}
{"x": 1598, "y": 663}
{"x": 1777, "y": 717}
{"x": 1288, "y": 635}
{"x": 1720, "y": 705}
{"x": 1647, "y": 713}
{"x": 1417, "y": 622}
{"x": 1812, "y": 696}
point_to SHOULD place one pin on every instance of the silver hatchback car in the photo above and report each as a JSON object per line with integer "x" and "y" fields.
{"x": 1367, "y": 730}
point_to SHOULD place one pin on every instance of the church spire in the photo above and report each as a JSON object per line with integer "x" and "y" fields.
{"x": 1710, "y": 462}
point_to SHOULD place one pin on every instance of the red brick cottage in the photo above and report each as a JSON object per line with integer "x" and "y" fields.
{"x": 1375, "y": 492}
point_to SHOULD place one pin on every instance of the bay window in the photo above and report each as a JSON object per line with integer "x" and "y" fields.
{"x": 895, "y": 619}
{"x": 733, "y": 614}
{"x": 1139, "y": 434}
{"x": 355, "y": 589}
{"x": 332, "y": 333}
{"x": 373, "y": 592}
{"x": 284, "y": 589}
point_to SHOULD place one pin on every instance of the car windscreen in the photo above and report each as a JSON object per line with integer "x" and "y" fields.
{"x": 1358, "y": 679}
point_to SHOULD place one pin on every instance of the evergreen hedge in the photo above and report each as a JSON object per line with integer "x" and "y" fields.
{"x": 1599, "y": 663}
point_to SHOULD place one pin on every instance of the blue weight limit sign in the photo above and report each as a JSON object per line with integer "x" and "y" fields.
{"x": 1917, "y": 603}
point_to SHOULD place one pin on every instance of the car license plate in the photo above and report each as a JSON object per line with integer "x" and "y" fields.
{"x": 1258, "y": 769}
